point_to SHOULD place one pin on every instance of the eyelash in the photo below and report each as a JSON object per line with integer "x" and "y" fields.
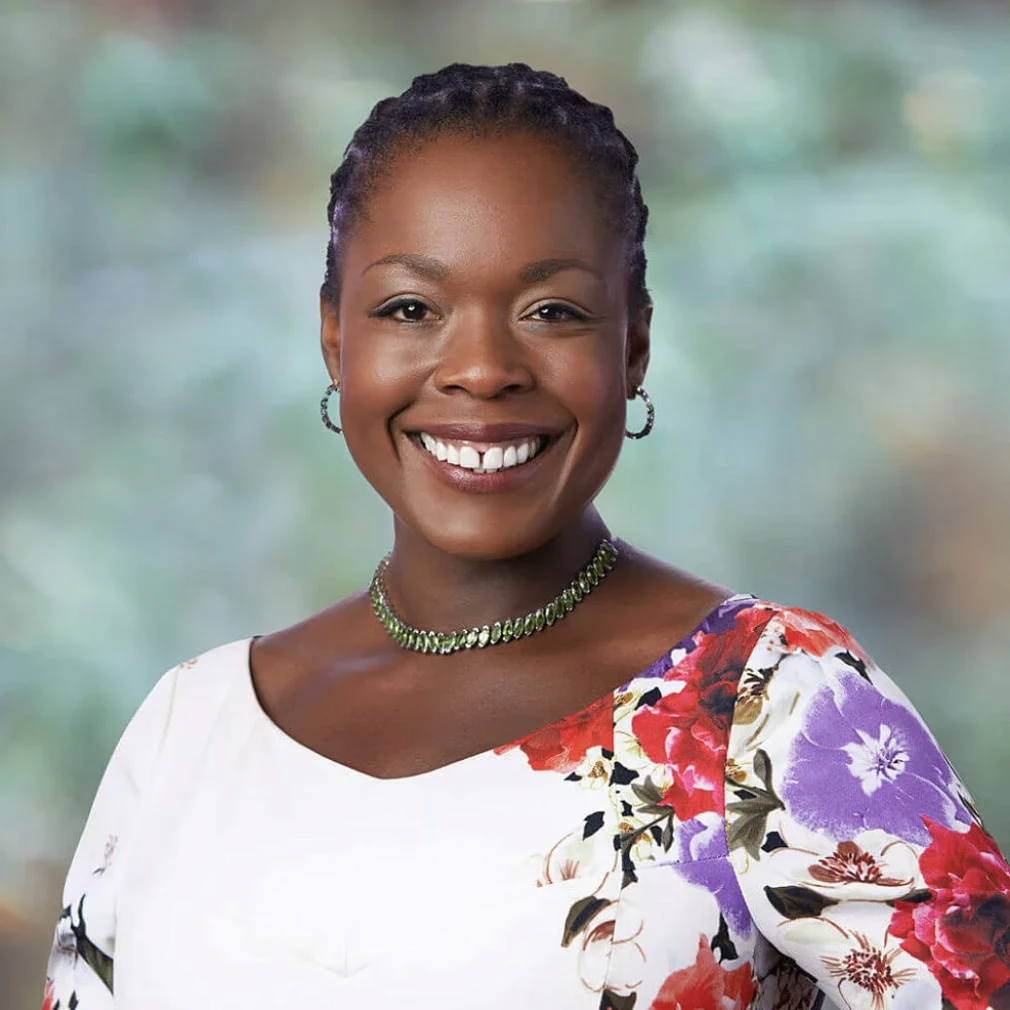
{"x": 388, "y": 310}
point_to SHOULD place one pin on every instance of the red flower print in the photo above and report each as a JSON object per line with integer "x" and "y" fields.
{"x": 688, "y": 730}
{"x": 706, "y": 985}
{"x": 49, "y": 996}
{"x": 562, "y": 745}
{"x": 962, "y": 933}
{"x": 813, "y": 633}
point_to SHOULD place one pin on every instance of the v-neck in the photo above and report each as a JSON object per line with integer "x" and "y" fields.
{"x": 468, "y": 762}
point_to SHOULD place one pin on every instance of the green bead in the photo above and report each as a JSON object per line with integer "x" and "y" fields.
{"x": 515, "y": 628}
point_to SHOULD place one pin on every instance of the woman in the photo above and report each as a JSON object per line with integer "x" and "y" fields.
{"x": 531, "y": 766}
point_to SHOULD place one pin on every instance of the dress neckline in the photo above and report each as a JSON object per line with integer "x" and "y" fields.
{"x": 320, "y": 761}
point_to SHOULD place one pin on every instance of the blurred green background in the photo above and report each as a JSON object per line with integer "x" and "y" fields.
{"x": 829, "y": 252}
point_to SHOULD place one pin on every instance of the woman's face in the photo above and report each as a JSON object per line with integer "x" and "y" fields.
{"x": 483, "y": 345}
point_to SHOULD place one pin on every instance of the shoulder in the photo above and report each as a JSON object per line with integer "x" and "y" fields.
{"x": 796, "y": 658}
{"x": 185, "y": 695}
{"x": 753, "y": 640}
{"x": 823, "y": 734}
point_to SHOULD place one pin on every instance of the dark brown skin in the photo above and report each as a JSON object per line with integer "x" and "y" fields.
{"x": 479, "y": 346}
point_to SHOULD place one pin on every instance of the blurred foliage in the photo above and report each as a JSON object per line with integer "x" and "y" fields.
{"x": 828, "y": 250}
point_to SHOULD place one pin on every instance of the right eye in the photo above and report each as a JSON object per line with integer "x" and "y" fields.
{"x": 413, "y": 310}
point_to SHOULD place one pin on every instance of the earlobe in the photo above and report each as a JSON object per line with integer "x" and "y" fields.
{"x": 329, "y": 335}
{"x": 638, "y": 349}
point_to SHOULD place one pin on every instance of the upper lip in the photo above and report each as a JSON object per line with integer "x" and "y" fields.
{"x": 470, "y": 431}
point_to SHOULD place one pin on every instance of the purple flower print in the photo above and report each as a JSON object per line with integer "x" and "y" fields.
{"x": 703, "y": 859}
{"x": 862, "y": 762}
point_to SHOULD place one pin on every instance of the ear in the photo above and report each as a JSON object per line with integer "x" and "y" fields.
{"x": 329, "y": 335}
{"x": 638, "y": 349}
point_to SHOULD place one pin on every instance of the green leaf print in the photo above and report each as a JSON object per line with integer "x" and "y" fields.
{"x": 795, "y": 902}
{"x": 611, "y": 1001}
{"x": 96, "y": 959}
{"x": 748, "y": 816}
{"x": 580, "y": 915}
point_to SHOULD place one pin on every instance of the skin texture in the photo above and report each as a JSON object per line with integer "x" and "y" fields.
{"x": 478, "y": 343}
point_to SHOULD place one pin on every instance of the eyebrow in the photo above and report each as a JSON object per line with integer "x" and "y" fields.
{"x": 531, "y": 273}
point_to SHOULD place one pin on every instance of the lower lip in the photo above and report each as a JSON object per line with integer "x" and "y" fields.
{"x": 506, "y": 479}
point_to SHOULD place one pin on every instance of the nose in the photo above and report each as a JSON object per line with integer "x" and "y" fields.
{"x": 482, "y": 357}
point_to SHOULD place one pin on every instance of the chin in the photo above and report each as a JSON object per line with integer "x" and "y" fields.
{"x": 482, "y": 541}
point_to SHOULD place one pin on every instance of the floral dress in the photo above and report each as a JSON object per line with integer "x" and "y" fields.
{"x": 759, "y": 819}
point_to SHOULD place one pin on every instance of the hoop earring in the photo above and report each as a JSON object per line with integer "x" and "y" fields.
{"x": 650, "y": 416}
{"x": 334, "y": 387}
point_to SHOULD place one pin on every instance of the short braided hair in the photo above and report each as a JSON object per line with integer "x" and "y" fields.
{"x": 482, "y": 101}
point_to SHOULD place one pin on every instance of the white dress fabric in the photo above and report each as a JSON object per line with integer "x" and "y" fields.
{"x": 759, "y": 819}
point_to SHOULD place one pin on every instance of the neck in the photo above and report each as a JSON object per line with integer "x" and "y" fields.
{"x": 434, "y": 590}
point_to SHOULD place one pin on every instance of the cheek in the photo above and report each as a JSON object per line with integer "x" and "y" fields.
{"x": 592, "y": 387}
{"x": 379, "y": 378}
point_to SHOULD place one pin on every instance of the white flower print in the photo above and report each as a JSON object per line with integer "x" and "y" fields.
{"x": 872, "y": 865}
{"x": 869, "y": 970}
{"x": 574, "y": 856}
{"x": 876, "y": 761}
{"x": 609, "y": 952}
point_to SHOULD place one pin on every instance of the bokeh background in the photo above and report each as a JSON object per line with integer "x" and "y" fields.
{"x": 829, "y": 252}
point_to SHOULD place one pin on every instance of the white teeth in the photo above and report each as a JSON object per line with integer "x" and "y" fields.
{"x": 497, "y": 457}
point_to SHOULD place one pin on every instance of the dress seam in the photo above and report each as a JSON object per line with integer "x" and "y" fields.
{"x": 776, "y": 610}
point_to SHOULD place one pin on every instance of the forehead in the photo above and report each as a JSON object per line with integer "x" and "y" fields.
{"x": 496, "y": 200}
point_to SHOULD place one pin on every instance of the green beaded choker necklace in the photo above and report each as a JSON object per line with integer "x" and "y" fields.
{"x": 501, "y": 631}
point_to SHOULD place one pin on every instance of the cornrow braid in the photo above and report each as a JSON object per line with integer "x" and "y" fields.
{"x": 482, "y": 101}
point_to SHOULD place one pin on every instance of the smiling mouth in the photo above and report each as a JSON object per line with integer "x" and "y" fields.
{"x": 482, "y": 457}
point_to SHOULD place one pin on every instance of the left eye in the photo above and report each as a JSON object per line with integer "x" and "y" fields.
{"x": 555, "y": 307}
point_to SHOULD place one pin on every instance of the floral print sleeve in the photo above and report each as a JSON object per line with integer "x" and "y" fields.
{"x": 859, "y": 852}
{"x": 79, "y": 973}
